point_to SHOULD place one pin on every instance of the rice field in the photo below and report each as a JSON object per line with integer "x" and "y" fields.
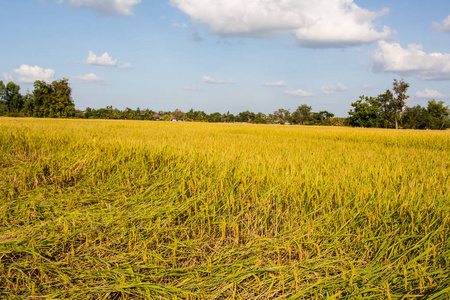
{"x": 98, "y": 209}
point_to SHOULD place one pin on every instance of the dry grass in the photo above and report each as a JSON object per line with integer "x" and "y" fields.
{"x": 162, "y": 210}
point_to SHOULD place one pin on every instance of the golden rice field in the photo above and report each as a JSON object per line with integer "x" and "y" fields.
{"x": 98, "y": 209}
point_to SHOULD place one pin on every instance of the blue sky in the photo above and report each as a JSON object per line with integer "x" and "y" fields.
{"x": 233, "y": 55}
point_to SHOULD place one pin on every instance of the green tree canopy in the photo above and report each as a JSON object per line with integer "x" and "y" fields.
{"x": 302, "y": 114}
{"x": 13, "y": 98}
{"x": 51, "y": 100}
{"x": 400, "y": 88}
{"x": 365, "y": 112}
{"x": 3, "y": 106}
{"x": 438, "y": 115}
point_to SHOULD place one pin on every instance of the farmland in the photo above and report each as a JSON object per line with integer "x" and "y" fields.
{"x": 98, "y": 209}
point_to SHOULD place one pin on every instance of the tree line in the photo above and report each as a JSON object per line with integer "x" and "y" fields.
{"x": 387, "y": 110}
{"x": 48, "y": 100}
{"x": 302, "y": 115}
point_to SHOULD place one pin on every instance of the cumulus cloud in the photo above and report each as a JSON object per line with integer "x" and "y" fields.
{"x": 331, "y": 89}
{"x": 431, "y": 94}
{"x": 315, "y": 24}
{"x": 367, "y": 87}
{"x": 276, "y": 84}
{"x": 29, "y": 74}
{"x": 8, "y": 76}
{"x": 299, "y": 93}
{"x": 208, "y": 79}
{"x": 104, "y": 60}
{"x": 444, "y": 26}
{"x": 126, "y": 66}
{"x": 105, "y": 7}
{"x": 391, "y": 57}
{"x": 90, "y": 78}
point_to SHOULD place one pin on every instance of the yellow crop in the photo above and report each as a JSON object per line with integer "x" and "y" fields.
{"x": 96, "y": 209}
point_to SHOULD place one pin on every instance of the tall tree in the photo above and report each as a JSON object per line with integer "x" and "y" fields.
{"x": 246, "y": 116}
{"x": 415, "y": 117}
{"x": 365, "y": 112}
{"x": 438, "y": 115}
{"x": 281, "y": 115}
{"x": 62, "y": 98}
{"x": 302, "y": 114}
{"x": 179, "y": 115}
{"x": 400, "y": 88}
{"x": 51, "y": 100}
{"x": 3, "y": 106}
{"x": 387, "y": 109}
{"x": 214, "y": 117}
{"x": 2, "y": 90}
{"x": 13, "y": 98}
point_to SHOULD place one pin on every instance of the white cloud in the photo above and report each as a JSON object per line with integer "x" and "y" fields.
{"x": 7, "y": 76}
{"x": 431, "y": 94}
{"x": 126, "y": 66}
{"x": 391, "y": 57}
{"x": 90, "y": 78}
{"x": 316, "y": 24}
{"x": 208, "y": 79}
{"x": 341, "y": 88}
{"x": 331, "y": 89}
{"x": 367, "y": 87}
{"x": 105, "y": 7}
{"x": 277, "y": 84}
{"x": 444, "y": 26}
{"x": 299, "y": 93}
{"x": 104, "y": 60}
{"x": 29, "y": 74}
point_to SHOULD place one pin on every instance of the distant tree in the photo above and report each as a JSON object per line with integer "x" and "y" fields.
{"x": 260, "y": 118}
{"x": 228, "y": 118}
{"x": 179, "y": 115}
{"x": 190, "y": 115}
{"x": 415, "y": 117}
{"x": 438, "y": 115}
{"x": 214, "y": 117}
{"x": 2, "y": 90}
{"x": 200, "y": 116}
{"x": 365, "y": 112}
{"x": 281, "y": 116}
{"x": 148, "y": 114}
{"x": 302, "y": 114}
{"x": 51, "y": 100}
{"x": 321, "y": 118}
{"x": 387, "y": 109}
{"x": 3, "y": 105}
{"x": 88, "y": 113}
{"x": 326, "y": 115}
{"x": 64, "y": 106}
{"x": 14, "y": 100}
{"x": 246, "y": 116}
{"x": 400, "y": 88}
